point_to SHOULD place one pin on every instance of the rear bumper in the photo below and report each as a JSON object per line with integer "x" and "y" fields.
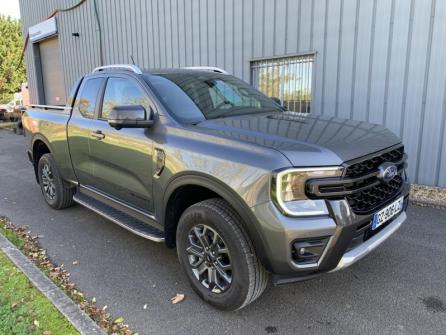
{"x": 349, "y": 238}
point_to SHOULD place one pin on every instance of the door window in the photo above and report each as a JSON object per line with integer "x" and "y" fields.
{"x": 86, "y": 101}
{"x": 122, "y": 91}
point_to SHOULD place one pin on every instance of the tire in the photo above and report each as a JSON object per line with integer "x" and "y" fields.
{"x": 55, "y": 191}
{"x": 248, "y": 278}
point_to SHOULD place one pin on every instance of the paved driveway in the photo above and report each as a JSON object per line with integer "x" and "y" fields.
{"x": 399, "y": 289}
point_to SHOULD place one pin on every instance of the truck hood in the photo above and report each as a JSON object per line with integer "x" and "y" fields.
{"x": 306, "y": 140}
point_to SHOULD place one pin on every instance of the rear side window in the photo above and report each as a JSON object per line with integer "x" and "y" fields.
{"x": 122, "y": 91}
{"x": 87, "y": 99}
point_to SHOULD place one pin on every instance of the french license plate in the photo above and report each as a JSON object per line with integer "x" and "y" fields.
{"x": 387, "y": 213}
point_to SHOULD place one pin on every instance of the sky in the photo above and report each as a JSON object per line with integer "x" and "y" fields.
{"x": 10, "y": 7}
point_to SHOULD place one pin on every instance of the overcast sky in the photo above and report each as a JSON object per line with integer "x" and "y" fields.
{"x": 10, "y": 7}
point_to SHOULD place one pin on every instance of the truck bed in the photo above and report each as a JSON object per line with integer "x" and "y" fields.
{"x": 49, "y": 125}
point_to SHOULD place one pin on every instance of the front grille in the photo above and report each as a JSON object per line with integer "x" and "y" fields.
{"x": 370, "y": 199}
{"x": 360, "y": 184}
{"x": 357, "y": 169}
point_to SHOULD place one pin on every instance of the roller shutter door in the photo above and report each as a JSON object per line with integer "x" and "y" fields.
{"x": 53, "y": 83}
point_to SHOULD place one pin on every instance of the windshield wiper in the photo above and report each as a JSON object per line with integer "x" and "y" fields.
{"x": 216, "y": 113}
{"x": 238, "y": 111}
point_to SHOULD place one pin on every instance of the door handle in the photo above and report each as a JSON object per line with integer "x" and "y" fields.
{"x": 98, "y": 135}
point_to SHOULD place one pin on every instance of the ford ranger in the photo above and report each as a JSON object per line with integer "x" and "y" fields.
{"x": 246, "y": 191}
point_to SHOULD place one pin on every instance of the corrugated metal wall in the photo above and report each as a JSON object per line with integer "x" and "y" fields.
{"x": 377, "y": 60}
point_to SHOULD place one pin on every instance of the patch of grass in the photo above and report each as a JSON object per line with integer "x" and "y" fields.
{"x": 10, "y": 235}
{"x": 24, "y": 309}
{"x": 21, "y": 238}
{"x": 7, "y": 125}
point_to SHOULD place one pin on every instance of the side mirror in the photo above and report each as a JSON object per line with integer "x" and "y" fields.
{"x": 276, "y": 100}
{"x": 279, "y": 102}
{"x": 130, "y": 116}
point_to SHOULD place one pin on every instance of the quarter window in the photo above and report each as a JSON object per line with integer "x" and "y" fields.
{"x": 121, "y": 91}
{"x": 86, "y": 103}
{"x": 288, "y": 78}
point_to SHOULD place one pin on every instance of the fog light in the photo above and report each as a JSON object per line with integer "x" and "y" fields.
{"x": 308, "y": 251}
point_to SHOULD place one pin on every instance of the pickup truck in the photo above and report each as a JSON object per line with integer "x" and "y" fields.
{"x": 247, "y": 192}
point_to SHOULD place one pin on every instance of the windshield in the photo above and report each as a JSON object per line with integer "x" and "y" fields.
{"x": 193, "y": 97}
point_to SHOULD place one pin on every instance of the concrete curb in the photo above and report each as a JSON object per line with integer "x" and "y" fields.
{"x": 81, "y": 321}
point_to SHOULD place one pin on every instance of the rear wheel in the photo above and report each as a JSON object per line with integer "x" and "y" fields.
{"x": 56, "y": 193}
{"x": 218, "y": 256}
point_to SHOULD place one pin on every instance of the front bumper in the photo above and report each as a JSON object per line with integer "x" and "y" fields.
{"x": 349, "y": 237}
{"x": 354, "y": 255}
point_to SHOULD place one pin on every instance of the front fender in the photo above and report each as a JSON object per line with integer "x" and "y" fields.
{"x": 249, "y": 221}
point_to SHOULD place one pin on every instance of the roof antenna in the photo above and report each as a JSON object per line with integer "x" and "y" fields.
{"x": 133, "y": 61}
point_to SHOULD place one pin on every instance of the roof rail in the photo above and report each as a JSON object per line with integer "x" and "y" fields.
{"x": 129, "y": 67}
{"x": 206, "y": 68}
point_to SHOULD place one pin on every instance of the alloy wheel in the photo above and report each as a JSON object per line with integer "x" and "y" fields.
{"x": 49, "y": 188}
{"x": 209, "y": 258}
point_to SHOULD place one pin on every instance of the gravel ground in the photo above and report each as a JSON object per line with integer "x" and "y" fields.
{"x": 428, "y": 195}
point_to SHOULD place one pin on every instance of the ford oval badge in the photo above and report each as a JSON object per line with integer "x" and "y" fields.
{"x": 387, "y": 171}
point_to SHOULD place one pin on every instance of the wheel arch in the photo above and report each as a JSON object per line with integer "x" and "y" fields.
{"x": 221, "y": 190}
{"x": 40, "y": 146}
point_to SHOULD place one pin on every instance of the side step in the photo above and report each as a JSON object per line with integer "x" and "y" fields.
{"x": 120, "y": 218}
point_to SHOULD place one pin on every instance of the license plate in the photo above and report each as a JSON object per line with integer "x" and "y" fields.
{"x": 387, "y": 213}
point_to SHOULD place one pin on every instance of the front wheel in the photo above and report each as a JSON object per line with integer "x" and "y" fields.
{"x": 56, "y": 193}
{"x": 218, "y": 256}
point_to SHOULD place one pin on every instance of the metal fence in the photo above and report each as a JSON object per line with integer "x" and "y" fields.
{"x": 287, "y": 78}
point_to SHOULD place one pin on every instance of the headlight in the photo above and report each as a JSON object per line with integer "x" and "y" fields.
{"x": 289, "y": 190}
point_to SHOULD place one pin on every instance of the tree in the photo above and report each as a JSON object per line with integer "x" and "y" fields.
{"x": 12, "y": 70}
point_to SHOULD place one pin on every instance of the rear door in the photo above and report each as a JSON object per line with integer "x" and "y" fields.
{"x": 123, "y": 158}
{"x": 85, "y": 108}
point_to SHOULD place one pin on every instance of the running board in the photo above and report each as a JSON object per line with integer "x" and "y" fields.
{"x": 120, "y": 218}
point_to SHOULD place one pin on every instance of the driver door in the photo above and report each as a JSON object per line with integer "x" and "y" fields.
{"x": 122, "y": 166}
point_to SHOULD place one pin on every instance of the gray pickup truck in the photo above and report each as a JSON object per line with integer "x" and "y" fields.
{"x": 245, "y": 190}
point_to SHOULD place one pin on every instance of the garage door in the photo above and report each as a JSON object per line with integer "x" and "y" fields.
{"x": 53, "y": 83}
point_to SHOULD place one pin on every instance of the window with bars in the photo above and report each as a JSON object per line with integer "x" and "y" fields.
{"x": 288, "y": 78}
